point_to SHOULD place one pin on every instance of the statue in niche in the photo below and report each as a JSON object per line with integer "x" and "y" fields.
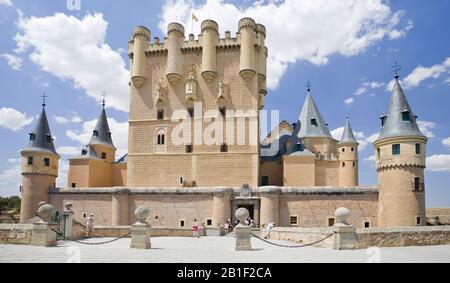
{"x": 161, "y": 92}
{"x": 191, "y": 85}
{"x": 223, "y": 90}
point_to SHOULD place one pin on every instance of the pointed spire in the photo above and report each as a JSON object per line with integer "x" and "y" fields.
{"x": 102, "y": 134}
{"x": 311, "y": 121}
{"x": 400, "y": 120}
{"x": 41, "y": 139}
{"x": 348, "y": 136}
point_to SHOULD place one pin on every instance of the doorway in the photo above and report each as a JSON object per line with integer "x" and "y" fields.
{"x": 251, "y": 204}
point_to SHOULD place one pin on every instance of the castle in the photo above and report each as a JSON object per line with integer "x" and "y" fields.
{"x": 195, "y": 151}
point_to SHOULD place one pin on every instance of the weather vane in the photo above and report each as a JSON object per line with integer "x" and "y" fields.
{"x": 104, "y": 94}
{"x": 397, "y": 68}
{"x": 308, "y": 85}
{"x": 43, "y": 100}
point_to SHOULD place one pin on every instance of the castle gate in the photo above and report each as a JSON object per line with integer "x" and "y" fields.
{"x": 252, "y": 204}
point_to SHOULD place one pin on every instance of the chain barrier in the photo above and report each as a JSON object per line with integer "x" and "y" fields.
{"x": 93, "y": 244}
{"x": 293, "y": 247}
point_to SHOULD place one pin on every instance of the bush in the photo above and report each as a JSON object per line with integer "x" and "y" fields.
{"x": 11, "y": 203}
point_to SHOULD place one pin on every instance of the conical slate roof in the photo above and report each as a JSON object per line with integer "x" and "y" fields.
{"x": 312, "y": 123}
{"x": 41, "y": 139}
{"x": 394, "y": 125}
{"x": 348, "y": 136}
{"x": 102, "y": 134}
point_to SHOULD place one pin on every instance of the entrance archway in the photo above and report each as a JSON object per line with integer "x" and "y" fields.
{"x": 251, "y": 204}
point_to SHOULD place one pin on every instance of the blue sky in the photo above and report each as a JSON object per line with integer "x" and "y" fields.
{"x": 345, "y": 48}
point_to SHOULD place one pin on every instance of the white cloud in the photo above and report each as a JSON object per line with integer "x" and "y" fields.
{"x": 446, "y": 142}
{"x": 14, "y": 120}
{"x": 370, "y": 158}
{"x": 63, "y": 120}
{"x": 63, "y": 173}
{"x": 14, "y": 160}
{"x": 6, "y": 2}
{"x": 368, "y": 86}
{"x": 426, "y": 128}
{"x": 68, "y": 150}
{"x": 14, "y": 61}
{"x": 119, "y": 133}
{"x": 10, "y": 181}
{"x": 421, "y": 74}
{"x": 316, "y": 29}
{"x": 439, "y": 163}
{"x": 75, "y": 50}
{"x": 349, "y": 101}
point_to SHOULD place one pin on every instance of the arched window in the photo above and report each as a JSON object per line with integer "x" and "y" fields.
{"x": 161, "y": 139}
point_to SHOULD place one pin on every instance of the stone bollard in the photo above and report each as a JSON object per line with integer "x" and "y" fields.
{"x": 42, "y": 235}
{"x": 68, "y": 221}
{"x": 140, "y": 231}
{"x": 345, "y": 238}
{"x": 242, "y": 232}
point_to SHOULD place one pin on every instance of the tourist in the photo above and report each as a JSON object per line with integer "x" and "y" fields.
{"x": 196, "y": 230}
{"x": 269, "y": 228}
{"x": 226, "y": 228}
{"x": 252, "y": 223}
{"x": 89, "y": 226}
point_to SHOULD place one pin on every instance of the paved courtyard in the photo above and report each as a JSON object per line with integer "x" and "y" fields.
{"x": 214, "y": 250}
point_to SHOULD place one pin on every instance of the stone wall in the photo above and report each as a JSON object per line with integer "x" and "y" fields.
{"x": 371, "y": 237}
{"x": 302, "y": 236}
{"x": 403, "y": 237}
{"x": 15, "y": 234}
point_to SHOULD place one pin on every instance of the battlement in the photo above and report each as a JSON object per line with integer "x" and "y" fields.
{"x": 156, "y": 47}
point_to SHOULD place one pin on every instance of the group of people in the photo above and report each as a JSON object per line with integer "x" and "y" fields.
{"x": 228, "y": 227}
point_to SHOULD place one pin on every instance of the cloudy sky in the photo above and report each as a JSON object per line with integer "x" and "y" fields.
{"x": 74, "y": 50}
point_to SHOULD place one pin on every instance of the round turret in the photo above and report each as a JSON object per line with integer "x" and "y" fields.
{"x": 140, "y": 43}
{"x": 39, "y": 168}
{"x": 247, "y": 30}
{"x": 210, "y": 33}
{"x": 400, "y": 154}
{"x": 348, "y": 158}
{"x": 175, "y": 40}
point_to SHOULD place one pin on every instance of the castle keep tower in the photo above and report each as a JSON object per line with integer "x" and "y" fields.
{"x": 400, "y": 153}
{"x": 348, "y": 157}
{"x": 209, "y": 80}
{"x": 39, "y": 168}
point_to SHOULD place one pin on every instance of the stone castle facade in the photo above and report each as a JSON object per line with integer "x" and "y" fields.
{"x": 195, "y": 151}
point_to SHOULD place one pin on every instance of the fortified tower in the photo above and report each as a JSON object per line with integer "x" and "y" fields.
{"x": 400, "y": 153}
{"x": 180, "y": 91}
{"x": 39, "y": 168}
{"x": 348, "y": 158}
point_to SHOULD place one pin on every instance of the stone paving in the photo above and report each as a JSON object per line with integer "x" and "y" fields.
{"x": 213, "y": 250}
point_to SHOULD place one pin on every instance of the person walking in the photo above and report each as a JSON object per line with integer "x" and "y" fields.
{"x": 196, "y": 230}
{"x": 89, "y": 226}
{"x": 269, "y": 228}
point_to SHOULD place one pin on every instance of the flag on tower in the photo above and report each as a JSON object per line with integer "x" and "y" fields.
{"x": 194, "y": 17}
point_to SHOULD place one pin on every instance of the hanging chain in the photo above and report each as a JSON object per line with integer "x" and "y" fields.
{"x": 293, "y": 247}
